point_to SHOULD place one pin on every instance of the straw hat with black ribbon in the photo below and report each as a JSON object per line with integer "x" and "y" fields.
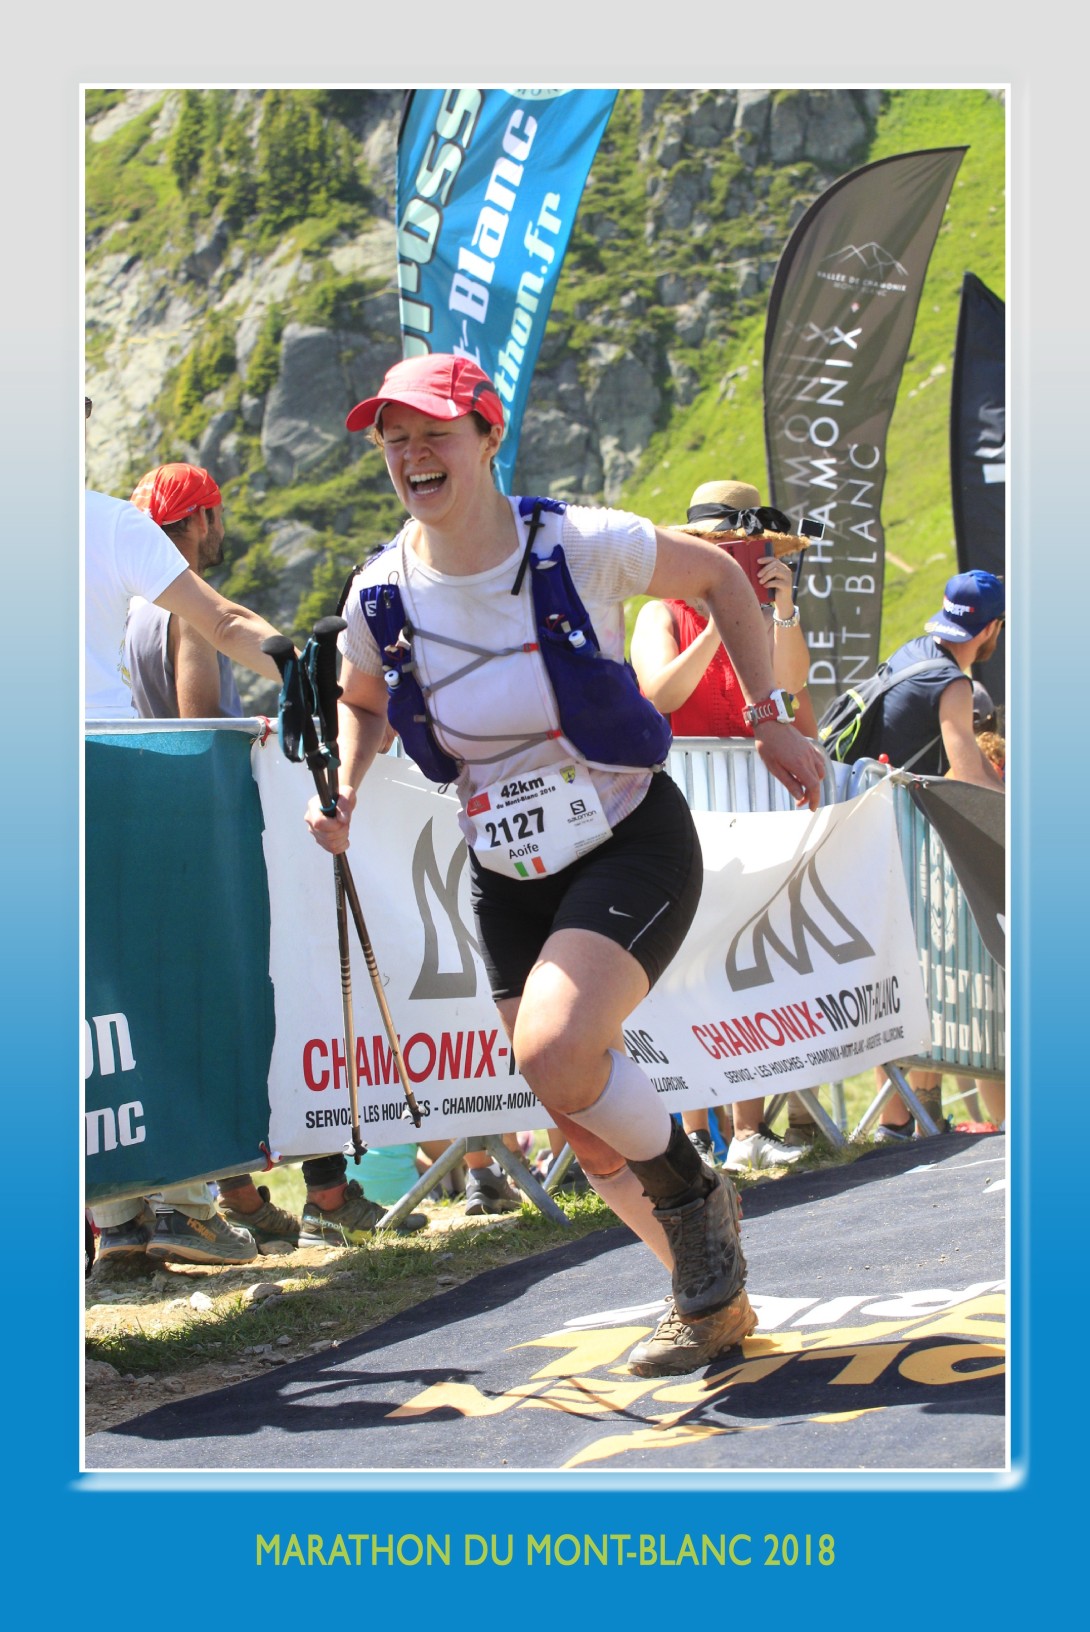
{"x": 727, "y": 512}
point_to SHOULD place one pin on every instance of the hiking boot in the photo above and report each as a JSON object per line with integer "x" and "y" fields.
{"x": 488, "y": 1192}
{"x": 702, "y": 1139}
{"x": 129, "y": 1240}
{"x": 351, "y": 1224}
{"x": 678, "y": 1345}
{"x": 704, "y": 1241}
{"x": 272, "y": 1228}
{"x": 181, "y": 1239}
{"x": 802, "y": 1135}
{"x": 761, "y": 1149}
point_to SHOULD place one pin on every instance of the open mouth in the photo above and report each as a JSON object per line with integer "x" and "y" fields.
{"x": 429, "y": 481}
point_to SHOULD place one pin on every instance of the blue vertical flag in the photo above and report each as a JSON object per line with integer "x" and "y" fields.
{"x": 488, "y": 184}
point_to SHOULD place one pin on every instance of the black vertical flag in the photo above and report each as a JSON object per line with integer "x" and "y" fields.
{"x": 970, "y": 822}
{"x": 840, "y": 318}
{"x": 978, "y": 449}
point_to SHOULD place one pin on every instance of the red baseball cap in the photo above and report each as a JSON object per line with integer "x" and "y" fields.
{"x": 169, "y": 493}
{"x": 439, "y": 385}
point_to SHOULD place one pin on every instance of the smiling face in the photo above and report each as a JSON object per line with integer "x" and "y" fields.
{"x": 440, "y": 468}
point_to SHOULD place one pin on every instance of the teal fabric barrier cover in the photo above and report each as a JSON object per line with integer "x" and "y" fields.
{"x": 178, "y": 1002}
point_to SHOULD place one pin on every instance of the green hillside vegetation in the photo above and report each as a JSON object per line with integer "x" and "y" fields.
{"x": 722, "y": 433}
{"x": 286, "y": 170}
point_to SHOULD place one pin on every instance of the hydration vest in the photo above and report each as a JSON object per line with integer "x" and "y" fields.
{"x": 602, "y": 711}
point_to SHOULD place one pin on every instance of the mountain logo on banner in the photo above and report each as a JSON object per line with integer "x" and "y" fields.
{"x": 872, "y": 257}
{"x": 433, "y": 981}
{"x": 827, "y": 926}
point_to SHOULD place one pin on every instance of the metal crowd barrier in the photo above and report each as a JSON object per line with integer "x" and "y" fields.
{"x": 966, "y": 989}
{"x": 726, "y": 774}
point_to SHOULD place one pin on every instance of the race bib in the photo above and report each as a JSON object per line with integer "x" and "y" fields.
{"x": 528, "y": 826}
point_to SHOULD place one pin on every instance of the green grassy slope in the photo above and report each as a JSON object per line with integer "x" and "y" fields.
{"x": 722, "y": 433}
{"x": 144, "y": 199}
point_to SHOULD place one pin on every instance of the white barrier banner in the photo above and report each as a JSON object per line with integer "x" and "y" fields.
{"x": 799, "y": 969}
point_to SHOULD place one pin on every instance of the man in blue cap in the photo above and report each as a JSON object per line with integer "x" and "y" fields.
{"x": 927, "y": 718}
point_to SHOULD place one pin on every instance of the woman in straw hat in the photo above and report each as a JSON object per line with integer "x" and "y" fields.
{"x": 684, "y": 669}
{"x": 490, "y": 632}
{"x": 679, "y": 658}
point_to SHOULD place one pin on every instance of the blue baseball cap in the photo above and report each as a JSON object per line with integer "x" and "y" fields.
{"x": 970, "y": 602}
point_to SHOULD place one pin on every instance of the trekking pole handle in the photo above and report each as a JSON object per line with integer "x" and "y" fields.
{"x": 324, "y": 678}
{"x": 281, "y": 650}
{"x": 294, "y": 702}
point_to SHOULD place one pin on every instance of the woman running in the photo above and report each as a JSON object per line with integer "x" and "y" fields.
{"x": 490, "y": 634}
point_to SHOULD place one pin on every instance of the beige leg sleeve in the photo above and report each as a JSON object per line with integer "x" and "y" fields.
{"x": 623, "y": 1193}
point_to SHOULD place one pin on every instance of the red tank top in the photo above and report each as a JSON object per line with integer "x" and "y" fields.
{"x": 715, "y": 707}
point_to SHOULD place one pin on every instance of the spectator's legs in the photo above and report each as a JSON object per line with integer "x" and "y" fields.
{"x": 195, "y": 1200}
{"x": 326, "y": 1178}
{"x": 695, "y": 1124}
{"x": 250, "y": 1207}
{"x": 748, "y": 1115}
{"x": 994, "y": 1095}
{"x": 926, "y": 1085}
{"x": 336, "y": 1209}
{"x": 240, "y": 1193}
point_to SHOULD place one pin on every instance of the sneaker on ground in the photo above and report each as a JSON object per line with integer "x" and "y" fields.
{"x": 488, "y": 1192}
{"x": 678, "y": 1345}
{"x": 702, "y": 1139}
{"x": 352, "y": 1223}
{"x": 271, "y": 1227}
{"x": 892, "y": 1133}
{"x": 129, "y": 1240}
{"x": 181, "y": 1239}
{"x": 761, "y": 1149}
{"x": 706, "y": 1247}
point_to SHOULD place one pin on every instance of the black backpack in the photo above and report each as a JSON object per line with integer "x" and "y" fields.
{"x": 849, "y": 728}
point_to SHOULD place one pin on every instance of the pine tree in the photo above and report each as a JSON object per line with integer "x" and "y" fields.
{"x": 240, "y": 188}
{"x": 187, "y": 141}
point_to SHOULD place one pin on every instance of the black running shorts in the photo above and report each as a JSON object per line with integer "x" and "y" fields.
{"x": 640, "y": 888}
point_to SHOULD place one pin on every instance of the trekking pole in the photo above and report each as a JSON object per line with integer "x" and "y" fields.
{"x": 321, "y": 658}
{"x": 298, "y": 738}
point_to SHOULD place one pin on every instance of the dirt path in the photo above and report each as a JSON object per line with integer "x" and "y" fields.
{"x": 285, "y": 1306}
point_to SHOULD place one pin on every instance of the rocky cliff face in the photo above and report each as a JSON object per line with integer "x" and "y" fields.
{"x": 213, "y": 340}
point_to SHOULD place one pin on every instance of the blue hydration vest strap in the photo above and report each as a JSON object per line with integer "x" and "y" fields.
{"x": 602, "y": 712}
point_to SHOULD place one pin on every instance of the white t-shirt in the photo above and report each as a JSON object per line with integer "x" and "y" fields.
{"x": 126, "y": 554}
{"x": 611, "y": 556}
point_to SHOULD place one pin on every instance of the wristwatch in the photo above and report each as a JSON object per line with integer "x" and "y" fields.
{"x": 778, "y": 705}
